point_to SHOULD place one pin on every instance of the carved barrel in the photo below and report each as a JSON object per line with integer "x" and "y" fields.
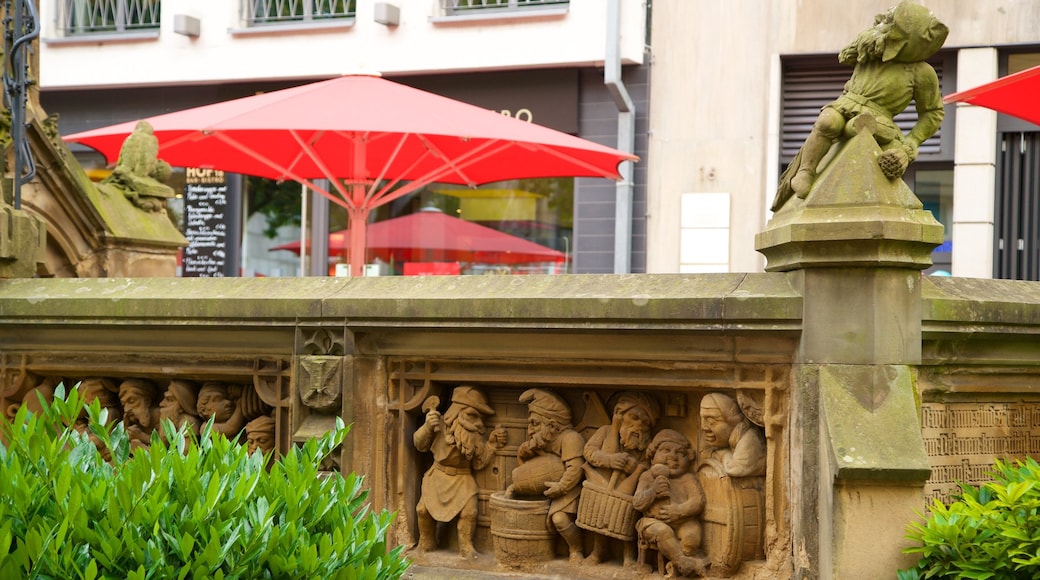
{"x": 733, "y": 519}
{"x": 529, "y": 478}
{"x": 519, "y": 530}
{"x": 606, "y": 512}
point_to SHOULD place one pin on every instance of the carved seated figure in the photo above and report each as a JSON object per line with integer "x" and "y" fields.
{"x": 890, "y": 70}
{"x": 139, "y": 173}
{"x": 672, "y": 500}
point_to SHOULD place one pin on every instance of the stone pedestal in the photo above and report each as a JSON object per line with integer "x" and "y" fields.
{"x": 856, "y": 247}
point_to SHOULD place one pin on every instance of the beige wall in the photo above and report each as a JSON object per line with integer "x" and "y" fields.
{"x": 715, "y": 89}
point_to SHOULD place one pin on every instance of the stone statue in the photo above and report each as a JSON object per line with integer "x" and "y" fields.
{"x": 449, "y": 490}
{"x": 672, "y": 501}
{"x": 140, "y": 413}
{"x": 179, "y": 404}
{"x": 550, "y": 434}
{"x": 616, "y": 457}
{"x": 139, "y": 173}
{"x": 260, "y": 434}
{"x": 730, "y": 438}
{"x": 888, "y": 73}
{"x": 216, "y": 400}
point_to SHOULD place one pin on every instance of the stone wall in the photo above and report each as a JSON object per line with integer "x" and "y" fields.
{"x": 374, "y": 350}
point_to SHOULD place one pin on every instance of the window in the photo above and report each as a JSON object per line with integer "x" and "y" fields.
{"x": 107, "y": 16}
{"x": 259, "y": 12}
{"x": 469, "y": 6}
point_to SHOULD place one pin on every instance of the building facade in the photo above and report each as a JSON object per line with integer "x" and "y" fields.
{"x": 736, "y": 85}
{"x": 578, "y": 66}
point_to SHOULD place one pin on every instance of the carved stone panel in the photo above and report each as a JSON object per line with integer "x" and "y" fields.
{"x": 962, "y": 440}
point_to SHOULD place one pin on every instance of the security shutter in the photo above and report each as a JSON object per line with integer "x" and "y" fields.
{"x": 1017, "y": 212}
{"x": 809, "y": 84}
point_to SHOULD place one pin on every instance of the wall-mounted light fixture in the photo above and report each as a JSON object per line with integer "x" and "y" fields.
{"x": 388, "y": 14}
{"x": 186, "y": 25}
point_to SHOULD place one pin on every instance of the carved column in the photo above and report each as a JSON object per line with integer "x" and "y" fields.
{"x": 855, "y": 246}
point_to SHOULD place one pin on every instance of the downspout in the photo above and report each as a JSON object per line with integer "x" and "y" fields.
{"x": 626, "y": 140}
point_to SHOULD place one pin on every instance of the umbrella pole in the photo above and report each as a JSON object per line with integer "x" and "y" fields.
{"x": 358, "y": 227}
{"x": 303, "y": 232}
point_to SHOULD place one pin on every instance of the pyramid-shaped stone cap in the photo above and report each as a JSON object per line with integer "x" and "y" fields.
{"x": 854, "y": 216}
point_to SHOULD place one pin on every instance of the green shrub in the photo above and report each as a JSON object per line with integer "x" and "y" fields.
{"x": 188, "y": 508}
{"x": 989, "y": 532}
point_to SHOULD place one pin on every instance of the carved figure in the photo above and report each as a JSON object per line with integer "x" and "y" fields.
{"x": 45, "y": 388}
{"x": 889, "y": 72}
{"x": 730, "y": 438}
{"x": 179, "y": 405}
{"x": 449, "y": 490}
{"x": 216, "y": 401}
{"x": 549, "y": 432}
{"x": 140, "y": 415}
{"x": 139, "y": 173}
{"x": 616, "y": 457}
{"x": 105, "y": 392}
{"x": 260, "y": 434}
{"x": 672, "y": 500}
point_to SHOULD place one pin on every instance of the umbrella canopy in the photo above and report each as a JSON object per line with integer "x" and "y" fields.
{"x": 374, "y": 139}
{"x": 1014, "y": 95}
{"x": 430, "y": 235}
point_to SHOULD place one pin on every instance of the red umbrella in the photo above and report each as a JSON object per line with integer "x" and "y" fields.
{"x": 430, "y": 235}
{"x": 375, "y": 140}
{"x": 1015, "y": 95}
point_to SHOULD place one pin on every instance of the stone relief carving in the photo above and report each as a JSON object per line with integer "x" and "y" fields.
{"x": 179, "y": 404}
{"x": 672, "y": 500}
{"x": 260, "y": 434}
{"x": 459, "y": 447}
{"x": 321, "y": 382}
{"x": 731, "y": 468}
{"x": 140, "y": 413}
{"x": 616, "y": 457}
{"x": 552, "y": 439}
{"x": 652, "y": 489}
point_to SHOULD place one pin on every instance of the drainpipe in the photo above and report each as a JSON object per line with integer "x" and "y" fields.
{"x": 626, "y": 140}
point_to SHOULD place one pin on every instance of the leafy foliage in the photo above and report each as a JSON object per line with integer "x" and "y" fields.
{"x": 185, "y": 508}
{"x": 990, "y": 532}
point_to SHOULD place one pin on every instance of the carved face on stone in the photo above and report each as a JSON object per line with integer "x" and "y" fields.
{"x": 635, "y": 429}
{"x": 169, "y": 407}
{"x": 95, "y": 389}
{"x": 215, "y": 402}
{"x": 260, "y": 435}
{"x": 673, "y": 455}
{"x": 136, "y": 397}
{"x": 715, "y": 427}
{"x": 541, "y": 430}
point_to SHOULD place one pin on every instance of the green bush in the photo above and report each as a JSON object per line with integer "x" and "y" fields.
{"x": 188, "y": 508}
{"x": 989, "y": 532}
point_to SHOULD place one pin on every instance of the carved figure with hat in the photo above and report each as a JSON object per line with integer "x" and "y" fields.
{"x": 616, "y": 457}
{"x": 457, "y": 441}
{"x": 890, "y": 70}
{"x": 549, "y": 432}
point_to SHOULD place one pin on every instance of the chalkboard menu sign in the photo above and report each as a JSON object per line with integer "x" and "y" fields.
{"x": 205, "y": 223}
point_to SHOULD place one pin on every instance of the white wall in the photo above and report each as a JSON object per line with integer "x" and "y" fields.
{"x": 424, "y": 42}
